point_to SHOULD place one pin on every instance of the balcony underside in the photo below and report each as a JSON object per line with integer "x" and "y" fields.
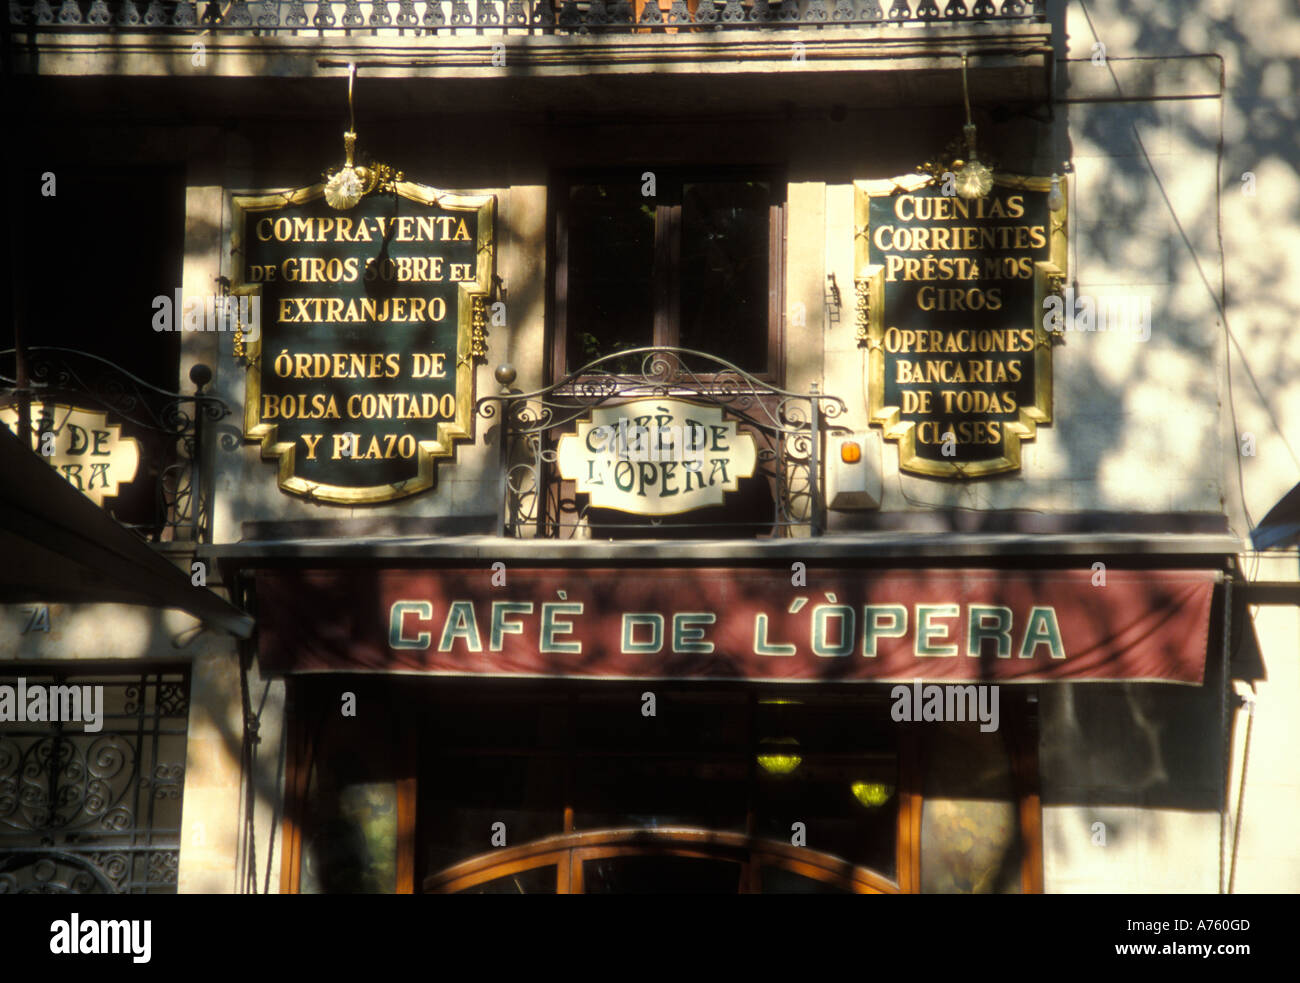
{"x": 276, "y": 77}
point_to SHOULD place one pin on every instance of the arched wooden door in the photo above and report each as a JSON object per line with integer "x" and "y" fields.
{"x": 681, "y": 860}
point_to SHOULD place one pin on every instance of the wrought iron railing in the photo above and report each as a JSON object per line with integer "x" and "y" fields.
{"x": 170, "y": 427}
{"x": 787, "y": 427}
{"x": 561, "y": 17}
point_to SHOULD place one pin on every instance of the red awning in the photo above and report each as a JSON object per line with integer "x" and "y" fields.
{"x": 709, "y": 623}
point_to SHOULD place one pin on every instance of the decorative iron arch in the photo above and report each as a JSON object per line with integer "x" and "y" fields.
{"x": 792, "y": 424}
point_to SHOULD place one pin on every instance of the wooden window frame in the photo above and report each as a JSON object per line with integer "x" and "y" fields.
{"x": 299, "y": 754}
{"x": 569, "y": 851}
{"x": 667, "y": 256}
{"x": 1021, "y": 738}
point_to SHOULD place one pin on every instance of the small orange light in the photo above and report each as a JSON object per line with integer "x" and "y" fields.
{"x": 850, "y": 452}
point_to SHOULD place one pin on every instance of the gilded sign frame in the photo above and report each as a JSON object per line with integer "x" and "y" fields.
{"x": 472, "y": 299}
{"x": 869, "y": 283}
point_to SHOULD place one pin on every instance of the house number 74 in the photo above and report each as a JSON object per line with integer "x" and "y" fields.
{"x": 38, "y": 619}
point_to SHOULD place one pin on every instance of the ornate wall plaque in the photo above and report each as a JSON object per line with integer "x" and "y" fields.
{"x": 361, "y": 372}
{"x": 950, "y": 300}
{"x": 656, "y": 456}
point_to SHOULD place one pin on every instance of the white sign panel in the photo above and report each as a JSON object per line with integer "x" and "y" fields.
{"x": 88, "y": 451}
{"x": 656, "y": 456}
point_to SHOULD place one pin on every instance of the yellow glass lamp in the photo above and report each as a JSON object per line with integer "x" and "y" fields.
{"x": 777, "y": 757}
{"x": 872, "y": 794}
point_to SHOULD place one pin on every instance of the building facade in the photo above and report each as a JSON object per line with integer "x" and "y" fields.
{"x": 731, "y": 447}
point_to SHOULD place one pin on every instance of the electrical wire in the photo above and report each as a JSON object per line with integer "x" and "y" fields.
{"x": 1221, "y": 298}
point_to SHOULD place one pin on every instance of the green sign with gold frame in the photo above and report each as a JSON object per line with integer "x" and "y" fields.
{"x": 949, "y": 302}
{"x": 360, "y": 372}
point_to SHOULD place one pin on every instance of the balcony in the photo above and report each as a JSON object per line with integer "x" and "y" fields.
{"x": 643, "y": 493}
{"x": 531, "y": 55}
{"x": 433, "y": 18}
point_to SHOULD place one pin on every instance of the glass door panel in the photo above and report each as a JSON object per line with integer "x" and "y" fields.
{"x": 782, "y": 880}
{"x": 659, "y": 874}
{"x": 539, "y": 880}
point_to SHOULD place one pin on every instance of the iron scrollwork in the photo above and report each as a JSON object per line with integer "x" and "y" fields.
{"x": 279, "y": 17}
{"x": 84, "y": 812}
{"x": 172, "y": 426}
{"x": 788, "y": 427}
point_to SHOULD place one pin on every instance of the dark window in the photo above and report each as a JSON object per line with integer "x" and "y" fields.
{"x": 660, "y": 875}
{"x": 611, "y": 253}
{"x": 88, "y": 264}
{"x": 697, "y": 265}
{"x": 90, "y": 261}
